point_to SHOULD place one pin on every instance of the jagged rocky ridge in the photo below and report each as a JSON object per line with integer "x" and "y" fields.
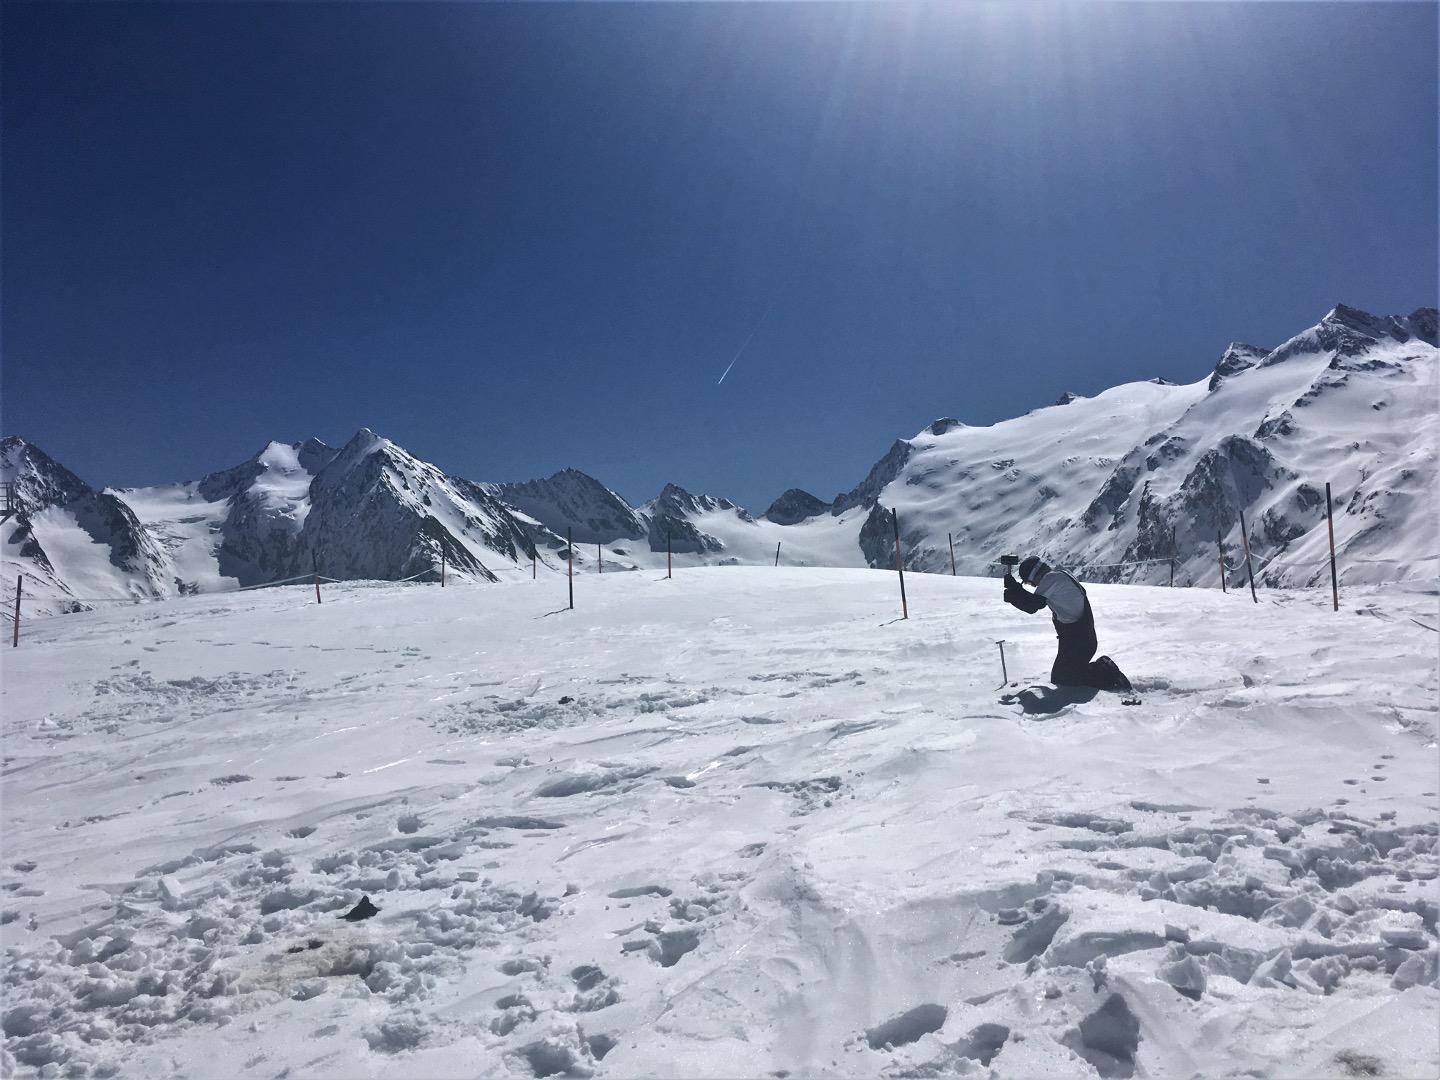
{"x": 1139, "y": 472}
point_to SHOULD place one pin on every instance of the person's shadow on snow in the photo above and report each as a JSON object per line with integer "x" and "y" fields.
{"x": 1048, "y": 700}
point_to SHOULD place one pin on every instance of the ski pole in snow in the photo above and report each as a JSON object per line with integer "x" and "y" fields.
{"x": 1220, "y": 546}
{"x": 315, "y": 565}
{"x": 900, "y": 564}
{"x": 19, "y": 584}
{"x": 1004, "y": 674}
{"x": 1329, "y": 521}
{"x": 777, "y": 553}
{"x": 951, "y": 539}
{"x": 570, "y": 558}
{"x": 1249, "y": 572}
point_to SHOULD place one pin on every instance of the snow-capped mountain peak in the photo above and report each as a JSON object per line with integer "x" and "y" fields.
{"x": 1236, "y": 358}
{"x": 71, "y": 541}
{"x": 676, "y": 501}
{"x": 794, "y": 506}
{"x": 573, "y": 499}
{"x": 1347, "y": 331}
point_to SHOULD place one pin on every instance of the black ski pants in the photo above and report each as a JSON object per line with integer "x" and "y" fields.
{"x": 1072, "y": 659}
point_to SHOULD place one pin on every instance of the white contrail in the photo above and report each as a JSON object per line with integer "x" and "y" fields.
{"x": 748, "y": 338}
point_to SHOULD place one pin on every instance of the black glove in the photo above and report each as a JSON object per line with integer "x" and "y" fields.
{"x": 1016, "y": 595}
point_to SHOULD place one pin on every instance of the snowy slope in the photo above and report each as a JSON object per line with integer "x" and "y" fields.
{"x": 739, "y": 823}
{"x": 1126, "y": 474}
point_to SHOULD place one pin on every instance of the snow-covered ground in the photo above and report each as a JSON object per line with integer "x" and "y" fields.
{"x": 744, "y": 822}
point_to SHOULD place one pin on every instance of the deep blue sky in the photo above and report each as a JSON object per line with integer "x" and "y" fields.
{"x": 514, "y": 238}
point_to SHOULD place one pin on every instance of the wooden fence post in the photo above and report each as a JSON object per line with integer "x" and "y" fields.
{"x": 570, "y": 557}
{"x": 777, "y": 552}
{"x": 951, "y": 540}
{"x": 19, "y": 584}
{"x": 1220, "y": 547}
{"x": 1329, "y": 521}
{"x": 1249, "y": 572}
{"x": 900, "y": 564}
{"x": 315, "y": 565}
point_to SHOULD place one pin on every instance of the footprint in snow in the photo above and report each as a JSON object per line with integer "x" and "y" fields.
{"x": 908, "y": 1027}
{"x": 594, "y": 990}
{"x": 639, "y": 890}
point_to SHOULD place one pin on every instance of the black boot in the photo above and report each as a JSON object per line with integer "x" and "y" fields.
{"x": 1112, "y": 675}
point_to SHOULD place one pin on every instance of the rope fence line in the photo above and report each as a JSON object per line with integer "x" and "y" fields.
{"x": 272, "y": 584}
{"x": 1227, "y": 567}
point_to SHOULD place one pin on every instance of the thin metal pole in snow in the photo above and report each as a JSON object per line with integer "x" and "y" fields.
{"x": 951, "y": 539}
{"x": 1249, "y": 572}
{"x": 315, "y": 565}
{"x": 669, "y": 563}
{"x": 1329, "y": 521}
{"x": 1220, "y": 546}
{"x": 570, "y": 558}
{"x": 19, "y": 584}
{"x": 1004, "y": 674}
{"x": 442, "y": 567}
{"x": 900, "y": 565}
{"x": 777, "y": 553}
{"x": 534, "y": 565}
{"x": 599, "y": 559}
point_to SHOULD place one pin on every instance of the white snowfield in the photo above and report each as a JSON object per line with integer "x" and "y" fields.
{"x": 741, "y": 823}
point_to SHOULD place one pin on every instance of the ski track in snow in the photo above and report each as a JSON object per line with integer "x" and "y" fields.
{"x": 736, "y": 824}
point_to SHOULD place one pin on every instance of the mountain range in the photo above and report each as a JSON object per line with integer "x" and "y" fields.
{"x": 1115, "y": 486}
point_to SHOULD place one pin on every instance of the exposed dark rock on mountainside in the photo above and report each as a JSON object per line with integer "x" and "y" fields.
{"x": 794, "y": 506}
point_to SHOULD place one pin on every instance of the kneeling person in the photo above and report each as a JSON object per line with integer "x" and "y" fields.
{"x": 1074, "y": 625}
